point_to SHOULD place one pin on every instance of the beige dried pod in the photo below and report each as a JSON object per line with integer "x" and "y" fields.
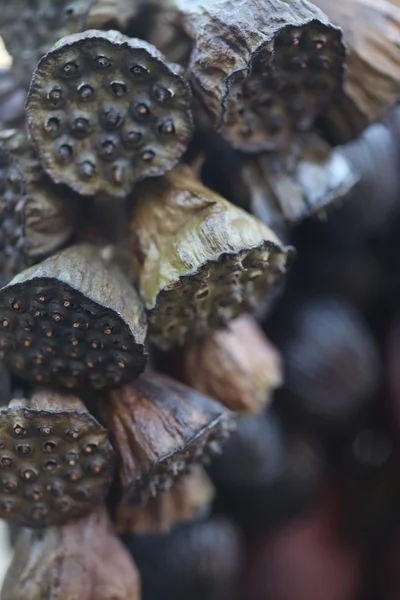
{"x": 81, "y": 560}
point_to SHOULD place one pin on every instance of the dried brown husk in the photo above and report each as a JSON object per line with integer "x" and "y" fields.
{"x": 237, "y": 366}
{"x": 81, "y": 560}
{"x": 199, "y": 261}
{"x": 57, "y": 461}
{"x": 159, "y": 428}
{"x": 261, "y": 69}
{"x": 189, "y": 498}
{"x": 371, "y": 29}
{"x": 73, "y": 320}
{"x": 307, "y": 178}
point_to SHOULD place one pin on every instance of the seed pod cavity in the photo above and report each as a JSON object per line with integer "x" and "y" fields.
{"x": 188, "y": 499}
{"x": 160, "y": 427}
{"x": 83, "y": 559}
{"x": 198, "y": 260}
{"x": 106, "y": 111}
{"x": 56, "y": 462}
{"x": 73, "y": 321}
{"x": 262, "y": 69}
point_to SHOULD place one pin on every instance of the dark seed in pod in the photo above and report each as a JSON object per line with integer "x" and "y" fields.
{"x": 87, "y": 169}
{"x": 45, "y": 430}
{"x": 19, "y": 431}
{"x": 112, "y": 118}
{"x": 132, "y": 139}
{"x": 34, "y": 495}
{"x": 148, "y": 156}
{"x": 9, "y": 485}
{"x": 5, "y": 323}
{"x": 80, "y": 127}
{"x": 85, "y": 92}
{"x": 161, "y": 94}
{"x": 141, "y": 111}
{"x": 81, "y": 493}
{"x": 55, "y": 488}
{"x": 49, "y": 446}
{"x": 65, "y": 153}
{"x": 5, "y": 461}
{"x": 119, "y": 174}
{"x": 70, "y": 69}
{"x": 90, "y": 448}
{"x": 103, "y": 62}
{"x": 24, "y": 449}
{"x": 55, "y": 96}
{"x": 139, "y": 72}
{"x": 118, "y": 88}
{"x": 52, "y": 125}
{"x": 16, "y": 305}
{"x": 167, "y": 128}
{"x": 29, "y": 474}
{"x": 72, "y": 434}
{"x": 51, "y": 466}
{"x": 108, "y": 147}
{"x": 71, "y": 459}
{"x": 74, "y": 475}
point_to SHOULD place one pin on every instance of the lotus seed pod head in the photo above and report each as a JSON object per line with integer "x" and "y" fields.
{"x": 68, "y": 562}
{"x": 189, "y": 499}
{"x": 106, "y": 111}
{"x": 56, "y": 460}
{"x": 160, "y": 427}
{"x": 263, "y": 70}
{"x": 372, "y": 81}
{"x": 199, "y": 261}
{"x": 73, "y": 321}
{"x": 237, "y": 366}
{"x": 196, "y": 560}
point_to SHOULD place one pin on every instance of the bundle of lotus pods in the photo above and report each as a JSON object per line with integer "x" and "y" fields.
{"x": 132, "y": 287}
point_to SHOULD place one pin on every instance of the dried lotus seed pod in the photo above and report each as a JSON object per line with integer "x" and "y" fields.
{"x": 262, "y": 69}
{"x": 56, "y": 462}
{"x": 12, "y": 192}
{"x": 372, "y": 83}
{"x": 189, "y": 498}
{"x": 306, "y": 178}
{"x": 199, "y": 261}
{"x": 106, "y": 111}
{"x": 196, "y": 560}
{"x": 237, "y": 366}
{"x": 73, "y": 321}
{"x": 83, "y": 559}
{"x": 159, "y": 427}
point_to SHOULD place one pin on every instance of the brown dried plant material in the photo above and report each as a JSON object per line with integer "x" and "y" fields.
{"x": 81, "y": 560}
{"x": 74, "y": 321}
{"x": 237, "y": 366}
{"x": 371, "y": 29}
{"x": 288, "y": 186}
{"x": 159, "y": 427}
{"x": 189, "y": 498}
{"x": 106, "y": 111}
{"x": 262, "y": 69}
{"x": 199, "y": 261}
{"x": 56, "y": 461}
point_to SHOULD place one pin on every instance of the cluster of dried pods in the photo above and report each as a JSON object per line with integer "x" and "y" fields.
{"x": 131, "y": 286}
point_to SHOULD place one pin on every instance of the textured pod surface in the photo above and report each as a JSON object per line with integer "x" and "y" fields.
{"x": 263, "y": 69}
{"x": 199, "y": 261}
{"x": 56, "y": 462}
{"x": 159, "y": 427}
{"x": 83, "y": 559}
{"x": 105, "y": 111}
{"x": 73, "y": 321}
{"x": 12, "y": 192}
{"x": 237, "y": 366}
{"x": 189, "y": 498}
{"x": 371, "y": 30}
{"x": 196, "y": 561}
{"x": 293, "y": 184}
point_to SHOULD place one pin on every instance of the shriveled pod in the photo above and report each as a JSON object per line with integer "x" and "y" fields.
{"x": 288, "y": 186}
{"x": 237, "y": 366}
{"x": 188, "y": 499}
{"x": 261, "y": 69}
{"x": 82, "y": 559}
{"x": 106, "y": 111}
{"x": 159, "y": 427}
{"x": 199, "y": 261}
{"x": 73, "y": 321}
{"x": 371, "y": 29}
{"x": 196, "y": 560}
{"x": 56, "y": 461}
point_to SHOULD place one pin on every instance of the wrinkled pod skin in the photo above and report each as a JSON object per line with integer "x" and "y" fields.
{"x": 82, "y": 560}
